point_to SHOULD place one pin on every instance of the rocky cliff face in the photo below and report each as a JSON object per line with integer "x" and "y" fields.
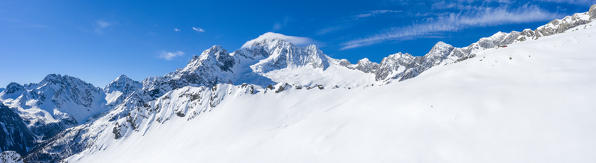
{"x": 14, "y": 134}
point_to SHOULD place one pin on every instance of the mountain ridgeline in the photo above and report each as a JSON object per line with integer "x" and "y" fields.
{"x": 63, "y": 116}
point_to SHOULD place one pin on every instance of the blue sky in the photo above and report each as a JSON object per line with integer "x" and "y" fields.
{"x": 99, "y": 40}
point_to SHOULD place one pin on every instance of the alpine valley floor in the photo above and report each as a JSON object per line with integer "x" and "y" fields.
{"x": 532, "y": 101}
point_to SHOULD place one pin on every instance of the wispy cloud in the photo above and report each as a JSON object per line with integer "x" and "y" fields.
{"x": 20, "y": 23}
{"x": 280, "y": 24}
{"x": 299, "y": 41}
{"x": 455, "y": 22}
{"x": 277, "y": 26}
{"x": 575, "y": 2}
{"x": 349, "y": 21}
{"x": 101, "y": 25}
{"x": 331, "y": 29}
{"x": 375, "y": 13}
{"x": 177, "y": 30}
{"x": 198, "y": 29}
{"x": 170, "y": 55}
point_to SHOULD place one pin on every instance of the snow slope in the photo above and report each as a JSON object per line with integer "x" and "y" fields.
{"x": 529, "y": 102}
{"x": 10, "y": 157}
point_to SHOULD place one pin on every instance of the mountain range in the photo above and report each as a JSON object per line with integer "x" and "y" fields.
{"x": 63, "y": 118}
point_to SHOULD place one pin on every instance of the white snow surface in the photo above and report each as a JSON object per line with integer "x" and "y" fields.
{"x": 529, "y": 102}
{"x": 334, "y": 75}
{"x": 10, "y": 157}
{"x": 112, "y": 97}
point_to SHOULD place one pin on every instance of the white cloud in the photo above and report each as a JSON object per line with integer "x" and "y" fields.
{"x": 298, "y": 41}
{"x": 101, "y": 25}
{"x": 279, "y": 25}
{"x": 198, "y": 29}
{"x": 170, "y": 55}
{"x": 177, "y": 30}
{"x": 330, "y": 29}
{"x": 276, "y": 26}
{"x": 455, "y": 22}
{"x": 374, "y": 13}
{"x": 575, "y": 2}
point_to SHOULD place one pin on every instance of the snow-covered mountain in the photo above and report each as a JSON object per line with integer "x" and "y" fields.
{"x": 522, "y": 103}
{"x": 120, "y": 88}
{"x": 56, "y": 103}
{"x": 280, "y": 99}
{"x": 38, "y": 111}
{"x": 273, "y": 58}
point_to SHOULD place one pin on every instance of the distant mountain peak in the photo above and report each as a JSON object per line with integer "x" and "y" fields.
{"x": 14, "y": 88}
{"x": 64, "y": 80}
{"x": 122, "y": 77}
{"x": 120, "y": 88}
{"x": 122, "y": 83}
{"x": 214, "y": 57}
{"x": 440, "y": 47}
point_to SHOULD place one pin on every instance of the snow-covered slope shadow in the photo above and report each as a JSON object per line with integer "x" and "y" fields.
{"x": 529, "y": 102}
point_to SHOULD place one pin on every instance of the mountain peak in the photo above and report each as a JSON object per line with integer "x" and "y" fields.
{"x": 366, "y": 65}
{"x": 273, "y": 38}
{"x": 215, "y": 55}
{"x": 398, "y": 55}
{"x": 124, "y": 84}
{"x": 61, "y": 79}
{"x": 52, "y": 77}
{"x": 441, "y": 44}
{"x": 122, "y": 77}
{"x": 364, "y": 61}
{"x": 12, "y": 90}
{"x": 441, "y": 49}
{"x": 120, "y": 88}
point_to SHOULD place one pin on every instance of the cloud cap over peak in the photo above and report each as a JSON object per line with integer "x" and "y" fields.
{"x": 296, "y": 40}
